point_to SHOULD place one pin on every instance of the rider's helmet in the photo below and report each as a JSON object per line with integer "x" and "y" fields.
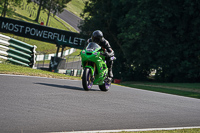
{"x": 97, "y": 36}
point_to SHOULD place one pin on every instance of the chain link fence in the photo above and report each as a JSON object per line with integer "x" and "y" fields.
{"x": 72, "y": 65}
{"x": 73, "y": 62}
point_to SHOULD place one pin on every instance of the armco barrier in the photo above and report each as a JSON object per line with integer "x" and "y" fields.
{"x": 42, "y": 57}
{"x": 74, "y": 72}
{"x": 16, "y": 51}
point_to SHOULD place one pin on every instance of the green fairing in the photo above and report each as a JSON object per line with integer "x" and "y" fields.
{"x": 90, "y": 59}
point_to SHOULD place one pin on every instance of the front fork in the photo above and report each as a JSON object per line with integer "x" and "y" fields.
{"x": 92, "y": 68}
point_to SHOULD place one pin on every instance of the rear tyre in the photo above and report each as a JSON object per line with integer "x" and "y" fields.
{"x": 105, "y": 86}
{"x": 86, "y": 79}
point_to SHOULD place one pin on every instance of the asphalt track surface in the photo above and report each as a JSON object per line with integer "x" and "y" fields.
{"x": 34, "y": 105}
{"x": 70, "y": 18}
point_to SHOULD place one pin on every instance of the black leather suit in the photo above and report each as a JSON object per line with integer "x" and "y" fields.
{"x": 106, "y": 46}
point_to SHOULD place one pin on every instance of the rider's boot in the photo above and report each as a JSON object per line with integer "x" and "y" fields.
{"x": 110, "y": 64}
{"x": 110, "y": 73}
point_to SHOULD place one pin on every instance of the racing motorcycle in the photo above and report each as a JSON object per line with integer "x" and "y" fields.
{"x": 95, "y": 68}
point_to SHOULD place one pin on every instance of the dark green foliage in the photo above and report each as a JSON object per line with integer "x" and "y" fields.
{"x": 8, "y": 6}
{"x": 55, "y": 6}
{"x": 42, "y": 5}
{"x": 52, "y": 6}
{"x": 150, "y": 34}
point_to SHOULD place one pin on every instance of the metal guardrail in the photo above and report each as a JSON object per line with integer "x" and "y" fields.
{"x": 72, "y": 66}
{"x": 73, "y": 62}
{"x": 17, "y": 52}
{"x": 74, "y": 72}
{"x": 40, "y": 56}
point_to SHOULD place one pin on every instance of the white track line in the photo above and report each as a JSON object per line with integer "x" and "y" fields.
{"x": 129, "y": 130}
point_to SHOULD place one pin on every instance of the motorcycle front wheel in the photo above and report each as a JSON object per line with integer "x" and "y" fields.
{"x": 86, "y": 79}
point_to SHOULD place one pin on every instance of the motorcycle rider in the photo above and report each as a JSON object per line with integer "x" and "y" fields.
{"x": 97, "y": 37}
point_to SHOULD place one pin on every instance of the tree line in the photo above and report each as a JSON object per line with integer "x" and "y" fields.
{"x": 146, "y": 35}
{"x": 51, "y": 6}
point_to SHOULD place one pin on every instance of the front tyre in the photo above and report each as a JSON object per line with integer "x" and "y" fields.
{"x": 86, "y": 79}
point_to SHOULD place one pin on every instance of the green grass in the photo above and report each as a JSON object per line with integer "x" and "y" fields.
{"x": 42, "y": 47}
{"x": 182, "y": 89}
{"x": 170, "y": 131}
{"x": 7, "y": 68}
{"x": 23, "y": 13}
{"x": 74, "y": 56}
{"x": 77, "y": 52}
{"x": 76, "y": 6}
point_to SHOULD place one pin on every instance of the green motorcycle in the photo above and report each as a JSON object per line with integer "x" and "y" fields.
{"x": 95, "y": 68}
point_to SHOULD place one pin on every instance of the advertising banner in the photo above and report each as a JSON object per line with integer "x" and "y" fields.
{"x": 42, "y": 33}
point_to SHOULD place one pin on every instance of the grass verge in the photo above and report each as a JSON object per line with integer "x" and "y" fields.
{"x": 197, "y": 130}
{"x": 7, "y": 68}
{"x": 76, "y": 6}
{"x": 181, "y": 89}
{"x": 28, "y": 13}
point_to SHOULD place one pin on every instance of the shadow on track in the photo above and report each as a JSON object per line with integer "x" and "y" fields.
{"x": 64, "y": 86}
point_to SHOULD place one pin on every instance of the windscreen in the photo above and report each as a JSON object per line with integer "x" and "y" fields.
{"x": 92, "y": 46}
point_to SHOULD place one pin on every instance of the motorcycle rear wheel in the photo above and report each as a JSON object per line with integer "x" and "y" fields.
{"x": 86, "y": 79}
{"x": 104, "y": 87}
